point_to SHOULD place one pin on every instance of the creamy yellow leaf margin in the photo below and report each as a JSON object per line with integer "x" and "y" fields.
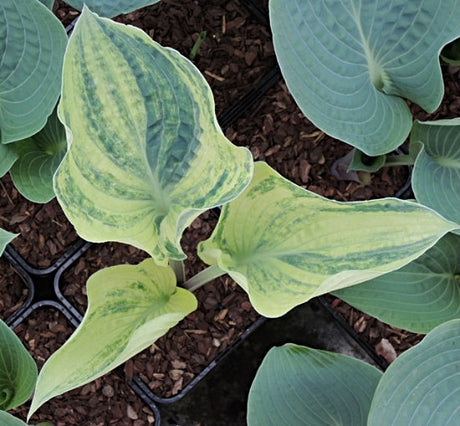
{"x": 146, "y": 155}
{"x": 285, "y": 245}
{"x": 129, "y": 307}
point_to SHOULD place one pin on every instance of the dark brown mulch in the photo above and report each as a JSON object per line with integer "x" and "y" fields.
{"x": 105, "y": 401}
{"x": 223, "y": 313}
{"x": 235, "y": 53}
{"x": 13, "y": 289}
{"x": 45, "y": 232}
{"x": 277, "y": 132}
{"x": 237, "y": 49}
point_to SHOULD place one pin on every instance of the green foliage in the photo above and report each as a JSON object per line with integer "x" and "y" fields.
{"x": 129, "y": 307}
{"x": 348, "y": 64}
{"x": 18, "y": 371}
{"x": 110, "y": 8}
{"x": 297, "y": 385}
{"x": 147, "y": 156}
{"x": 38, "y": 158}
{"x": 285, "y": 245}
{"x": 421, "y": 387}
{"x": 33, "y": 43}
{"x": 5, "y": 238}
{"x": 436, "y": 174}
{"x": 137, "y": 176}
{"x": 7, "y": 419}
{"x": 418, "y": 297}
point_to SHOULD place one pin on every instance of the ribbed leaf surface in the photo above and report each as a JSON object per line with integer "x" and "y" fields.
{"x": 422, "y": 386}
{"x": 129, "y": 307}
{"x": 147, "y": 155}
{"x": 32, "y": 44}
{"x": 418, "y": 297}
{"x": 436, "y": 174}
{"x": 296, "y": 385}
{"x": 347, "y": 64}
{"x": 38, "y": 160}
{"x": 18, "y": 371}
{"x": 111, "y": 8}
{"x": 285, "y": 245}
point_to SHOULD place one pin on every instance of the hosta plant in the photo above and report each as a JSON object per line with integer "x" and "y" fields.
{"x": 32, "y": 140}
{"x": 18, "y": 373}
{"x": 297, "y": 385}
{"x": 349, "y": 64}
{"x": 145, "y": 157}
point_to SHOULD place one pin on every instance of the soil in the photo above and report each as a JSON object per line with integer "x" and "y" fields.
{"x": 13, "y": 289}
{"x": 105, "y": 401}
{"x": 236, "y": 53}
{"x": 45, "y": 232}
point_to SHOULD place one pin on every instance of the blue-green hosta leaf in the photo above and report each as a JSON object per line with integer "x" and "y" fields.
{"x": 436, "y": 174}
{"x": 111, "y": 8}
{"x": 296, "y": 385}
{"x": 7, "y": 419}
{"x": 18, "y": 370}
{"x": 8, "y": 156}
{"x": 38, "y": 160}
{"x": 285, "y": 245}
{"x": 422, "y": 386}
{"x": 129, "y": 307}
{"x": 347, "y": 64}
{"x": 418, "y": 297}
{"x": 5, "y": 238}
{"x": 147, "y": 155}
{"x": 47, "y": 3}
{"x": 32, "y": 44}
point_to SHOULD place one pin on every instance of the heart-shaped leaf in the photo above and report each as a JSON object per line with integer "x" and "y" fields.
{"x": 418, "y": 297}
{"x": 129, "y": 307}
{"x": 8, "y": 156}
{"x": 296, "y": 385}
{"x": 38, "y": 160}
{"x": 147, "y": 155}
{"x": 5, "y": 238}
{"x": 285, "y": 245}
{"x": 110, "y": 8}
{"x": 436, "y": 174}
{"x": 347, "y": 64}
{"x": 422, "y": 386}
{"x": 18, "y": 371}
{"x": 33, "y": 43}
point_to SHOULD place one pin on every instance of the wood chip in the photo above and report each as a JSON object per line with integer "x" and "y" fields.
{"x": 131, "y": 413}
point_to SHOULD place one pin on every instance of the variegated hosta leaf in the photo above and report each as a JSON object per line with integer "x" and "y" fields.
{"x": 436, "y": 174}
{"x": 38, "y": 160}
{"x": 418, "y": 297}
{"x": 8, "y": 156}
{"x": 147, "y": 155}
{"x": 285, "y": 245}
{"x": 347, "y": 64}
{"x": 422, "y": 386}
{"x": 5, "y": 238}
{"x": 18, "y": 370}
{"x": 129, "y": 307}
{"x": 111, "y": 8}
{"x": 296, "y": 385}
{"x": 32, "y": 44}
